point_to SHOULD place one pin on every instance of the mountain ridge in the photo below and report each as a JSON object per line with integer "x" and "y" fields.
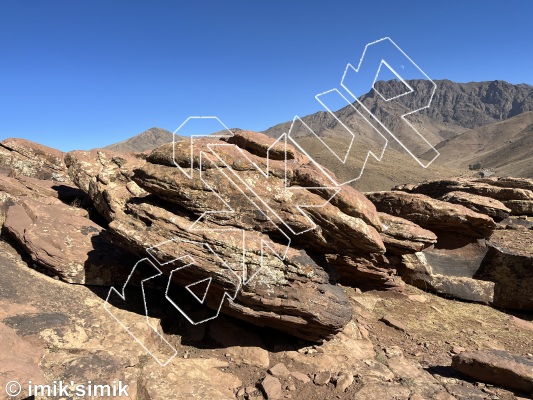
{"x": 457, "y": 109}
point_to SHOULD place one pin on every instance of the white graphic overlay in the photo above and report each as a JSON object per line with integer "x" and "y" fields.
{"x": 365, "y": 134}
{"x": 208, "y": 164}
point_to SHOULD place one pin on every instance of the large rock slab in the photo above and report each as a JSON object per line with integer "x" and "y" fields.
{"x": 496, "y": 367}
{"x": 19, "y": 361}
{"x": 509, "y": 263}
{"x": 402, "y": 236}
{"x": 417, "y": 271}
{"x": 374, "y": 271}
{"x": 49, "y": 192}
{"x": 514, "y": 193}
{"x": 233, "y": 199}
{"x": 293, "y": 295}
{"x": 508, "y": 182}
{"x": 65, "y": 242}
{"x": 433, "y": 214}
{"x": 455, "y": 256}
{"x": 480, "y": 204}
{"x": 33, "y": 160}
{"x": 350, "y": 221}
{"x": 520, "y": 207}
{"x": 188, "y": 379}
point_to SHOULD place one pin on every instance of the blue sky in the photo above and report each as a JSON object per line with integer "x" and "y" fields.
{"x": 87, "y": 73}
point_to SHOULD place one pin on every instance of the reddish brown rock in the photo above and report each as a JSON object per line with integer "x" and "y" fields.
{"x": 271, "y": 386}
{"x": 481, "y": 204}
{"x": 66, "y": 243}
{"x": 402, "y": 236}
{"x": 417, "y": 271}
{"x": 47, "y": 191}
{"x": 106, "y": 178}
{"x": 33, "y": 160}
{"x": 508, "y": 182}
{"x": 515, "y": 193}
{"x": 263, "y": 146}
{"x": 19, "y": 361}
{"x": 293, "y": 295}
{"x": 497, "y": 368}
{"x": 517, "y": 222}
{"x": 279, "y": 295}
{"x": 6, "y": 201}
{"x": 351, "y": 224}
{"x": 344, "y": 381}
{"x": 509, "y": 264}
{"x": 439, "y": 188}
{"x": 322, "y": 378}
{"x": 374, "y": 271}
{"x": 279, "y": 370}
{"x": 520, "y": 207}
{"x": 433, "y": 214}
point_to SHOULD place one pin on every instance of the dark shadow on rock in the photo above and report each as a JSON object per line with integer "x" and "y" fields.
{"x": 76, "y": 197}
{"x": 150, "y": 298}
{"x": 106, "y": 264}
{"x": 33, "y": 323}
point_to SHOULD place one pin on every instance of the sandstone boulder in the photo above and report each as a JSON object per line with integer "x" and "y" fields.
{"x": 508, "y": 182}
{"x": 402, "y": 236}
{"x": 509, "y": 264}
{"x": 433, "y": 214}
{"x": 480, "y": 204}
{"x": 106, "y": 178}
{"x": 520, "y": 207}
{"x": 48, "y": 192}
{"x": 417, "y": 271}
{"x": 65, "y": 242}
{"x": 374, "y": 271}
{"x": 496, "y": 367}
{"x": 516, "y": 194}
{"x": 210, "y": 216}
{"x": 293, "y": 294}
{"x": 352, "y": 224}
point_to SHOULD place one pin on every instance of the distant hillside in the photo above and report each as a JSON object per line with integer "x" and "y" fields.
{"x": 456, "y": 108}
{"x": 148, "y": 140}
{"x": 505, "y": 147}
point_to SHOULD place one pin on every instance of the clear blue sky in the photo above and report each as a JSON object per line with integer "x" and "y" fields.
{"x": 87, "y": 73}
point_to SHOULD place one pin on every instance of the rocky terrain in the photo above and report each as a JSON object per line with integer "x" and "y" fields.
{"x": 287, "y": 287}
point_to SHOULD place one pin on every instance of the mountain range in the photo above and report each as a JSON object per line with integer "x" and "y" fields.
{"x": 485, "y": 123}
